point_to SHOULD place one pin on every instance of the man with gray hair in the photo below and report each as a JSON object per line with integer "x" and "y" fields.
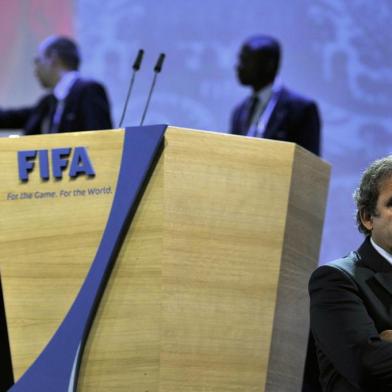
{"x": 351, "y": 298}
{"x": 72, "y": 103}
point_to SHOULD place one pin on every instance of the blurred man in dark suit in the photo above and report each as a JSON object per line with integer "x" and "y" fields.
{"x": 351, "y": 298}
{"x": 272, "y": 111}
{"x": 72, "y": 103}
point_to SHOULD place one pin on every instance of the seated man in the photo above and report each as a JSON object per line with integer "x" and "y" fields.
{"x": 72, "y": 104}
{"x": 351, "y": 298}
{"x": 272, "y": 111}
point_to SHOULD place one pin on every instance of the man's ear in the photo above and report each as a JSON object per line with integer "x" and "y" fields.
{"x": 366, "y": 219}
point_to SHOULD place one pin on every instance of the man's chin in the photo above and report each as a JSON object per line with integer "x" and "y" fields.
{"x": 244, "y": 81}
{"x": 45, "y": 86}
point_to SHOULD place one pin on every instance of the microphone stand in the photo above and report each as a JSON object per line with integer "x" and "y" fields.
{"x": 135, "y": 67}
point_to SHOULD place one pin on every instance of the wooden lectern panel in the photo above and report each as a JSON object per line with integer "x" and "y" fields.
{"x": 208, "y": 292}
{"x": 304, "y": 221}
{"x": 225, "y": 206}
{"x": 47, "y": 241}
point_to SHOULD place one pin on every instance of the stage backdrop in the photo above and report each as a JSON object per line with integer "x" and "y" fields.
{"x": 335, "y": 52}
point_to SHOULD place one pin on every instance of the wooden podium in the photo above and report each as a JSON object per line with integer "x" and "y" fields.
{"x": 207, "y": 291}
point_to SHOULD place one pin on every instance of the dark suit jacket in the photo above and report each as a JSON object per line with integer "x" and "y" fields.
{"x": 350, "y": 304}
{"x": 86, "y": 108}
{"x": 294, "y": 119}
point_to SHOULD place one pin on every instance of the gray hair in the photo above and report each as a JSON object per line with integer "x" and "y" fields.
{"x": 366, "y": 195}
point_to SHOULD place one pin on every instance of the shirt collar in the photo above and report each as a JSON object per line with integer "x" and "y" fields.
{"x": 65, "y": 84}
{"x": 382, "y": 251}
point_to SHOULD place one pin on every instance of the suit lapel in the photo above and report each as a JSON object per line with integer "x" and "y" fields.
{"x": 385, "y": 279}
{"x": 243, "y": 117}
{"x": 370, "y": 258}
{"x": 277, "y": 118}
{"x": 34, "y": 123}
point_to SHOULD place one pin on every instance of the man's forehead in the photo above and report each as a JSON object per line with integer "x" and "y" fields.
{"x": 385, "y": 184}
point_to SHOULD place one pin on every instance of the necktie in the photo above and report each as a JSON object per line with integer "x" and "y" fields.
{"x": 251, "y": 111}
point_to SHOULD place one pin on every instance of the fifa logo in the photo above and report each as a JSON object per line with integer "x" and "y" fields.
{"x": 80, "y": 163}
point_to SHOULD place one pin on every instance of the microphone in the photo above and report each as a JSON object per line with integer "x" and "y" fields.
{"x": 138, "y": 60}
{"x": 157, "y": 69}
{"x": 136, "y": 66}
{"x": 158, "y": 65}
